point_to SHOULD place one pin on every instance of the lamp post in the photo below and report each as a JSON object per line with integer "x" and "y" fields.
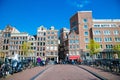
{"x": 67, "y": 56}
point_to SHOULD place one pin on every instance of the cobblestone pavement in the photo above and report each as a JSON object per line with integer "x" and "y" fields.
{"x": 26, "y": 74}
{"x": 66, "y": 72}
{"x": 107, "y": 75}
{"x": 61, "y": 72}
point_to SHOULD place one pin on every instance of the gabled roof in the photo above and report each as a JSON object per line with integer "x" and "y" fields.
{"x": 11, "y": 29}
{"x": 72, "y": 31}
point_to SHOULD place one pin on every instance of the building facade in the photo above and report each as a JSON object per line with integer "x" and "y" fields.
{"x": 41, "y": 42}
{"x": 12, "y": 42}
{"x": 6, "y": 40}
{"x": 52, "y": 44}
{"x": 43, "y": 45}
{"x": 47, "y": 43}
{"x": 73, "y": 47}
{"x": 104, "y": 31}
{"x": 73, "y": 42}
{"x": 63, "y": 47}
{"x": 107, "y": 33}
{"x": 1, "y": 45}
{"x": 32, "y": 51}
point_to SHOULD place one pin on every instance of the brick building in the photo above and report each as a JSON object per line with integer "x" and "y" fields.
{"x": 104, "y": 31}
{"x": 47, "y": 43}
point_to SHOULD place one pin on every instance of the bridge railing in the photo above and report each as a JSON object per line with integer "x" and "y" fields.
{"x": 111, "y": 65}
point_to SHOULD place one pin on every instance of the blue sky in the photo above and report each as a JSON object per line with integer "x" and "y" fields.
{"x": 28, "y": 15}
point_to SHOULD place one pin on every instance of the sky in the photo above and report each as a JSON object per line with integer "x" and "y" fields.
{"x": 28, "y": 15}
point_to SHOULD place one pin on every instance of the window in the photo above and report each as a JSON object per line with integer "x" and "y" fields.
{"x": 52, "y": 53}
{"x": 84, "y": 20}
{"x": 77, "y": 46}
{"x": 7, "y": 41}
{"x": 44, "y": 38}
{"x": 34, "y": 48}
{"x": 113, "y": 25}
{"x": 101, "y": 46}
{"x": 41, "y": 48}
{"x": 74, "y": 46}
{"x": 43, "y": 43}
{"x": 40, "y": 54}
{"x": 41, "y": 38}
{"x": 116, "y": 32}
{"x": 48, "y": 42}
{"x": 70, "y": 46}
{"x": 109, "y": 39}
{"x": 48, "y": 37}
{"x": 43, "y": 54}
{"x": 4, "y": 41}
{"x": 55, "y": 42}
{"x": 8, "y": 34}
{"x": 38, "y": 39}
{"x": 85, "y": 27}
{"x": 86, "y": 46}
{"x": 97, "y": 32}
{"x": 109, "y": 46}
{"x": 51, "y": 42}
{"x": 86, "y": 40}
{"x": 44, "y": 33}
{"x": 117, "y": 39}
{"x": 52, "y": 32}
{"x": 96, "y": 25}
{"x": 107, "y": 32}
{"x": 70, "y": 41}
{"x": 5, "y": 35}
{"x": 98, "y": 39}
{"x": 86, "y": 33}
{"x": 77, "y": 37}
{"x": 76, "y": 41}
{"x": 48, "y": 32}
{"x": 15, "y": 38}
{"x": 52, "y": 37}
{"x": 6, "y": 47}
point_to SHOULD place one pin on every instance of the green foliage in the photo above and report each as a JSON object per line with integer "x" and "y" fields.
{"x": 116, "y": 48}
{"x": 94, "y": 47}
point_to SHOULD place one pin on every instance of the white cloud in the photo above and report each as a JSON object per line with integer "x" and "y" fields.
{"x": 78, "y": 3}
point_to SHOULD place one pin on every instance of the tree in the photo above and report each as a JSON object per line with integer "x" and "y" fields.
{"x": 116, "y": 49}
{"x": 94, "y": 47}
{"x": 26, "y": 48}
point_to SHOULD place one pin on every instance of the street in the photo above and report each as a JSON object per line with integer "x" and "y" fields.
{"x": 61, "y": 72}
{"x": 66, "y": 72}
{"x": 53, "y": 72}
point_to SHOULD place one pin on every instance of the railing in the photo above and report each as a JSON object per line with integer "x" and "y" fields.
{"x": 111, "y": 65}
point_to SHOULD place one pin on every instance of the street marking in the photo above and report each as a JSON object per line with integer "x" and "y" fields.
{"x": 93, "y": 73}
{"x": 35, "y": 77}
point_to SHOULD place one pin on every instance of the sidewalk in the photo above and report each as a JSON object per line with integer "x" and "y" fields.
{"x": 107, "y": 75}
{"x": 26, "y": 74}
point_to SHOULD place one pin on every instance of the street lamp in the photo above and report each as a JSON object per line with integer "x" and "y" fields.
{"x": 67, "y": 56}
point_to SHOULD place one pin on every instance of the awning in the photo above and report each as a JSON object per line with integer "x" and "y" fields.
{"x": 73, "y": 57}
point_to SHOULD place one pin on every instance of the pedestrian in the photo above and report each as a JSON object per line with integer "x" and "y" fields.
{"x": 38, "y": 61}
